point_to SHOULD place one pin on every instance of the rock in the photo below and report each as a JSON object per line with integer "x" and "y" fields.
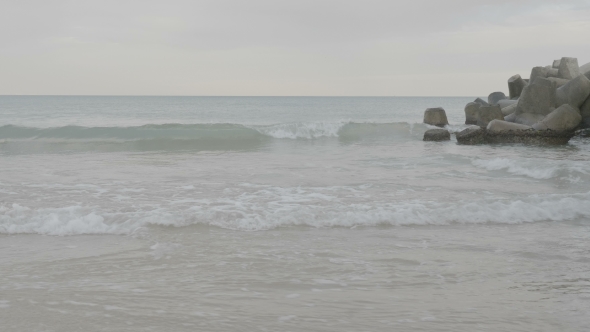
{"x": 471, "y": 110}
{"x": 487, "y": 114}
{"x": 564, "y": 118}
{"x": 515, "y": 86}
{"x": 499, "y": 126}
{"x": 437, "y": 135}
{"x": 558, "y": 81}
{"x": 537, "y": 100}
{"x": 495, "y": 97}
{"x": 585, "y": 113}
{"x": 506, "y": 102}
{"x": 436, "y": 117}
{"x": 471, "y": 135}
{"x": 556, "y": 64}
{"x": 481, "y": 102}
{"x": 544, "y": 137}
{"x": 574, "y": 93}
{"x": 585, "y": 69}
{"x": 509, "y": 110}
{"x": 538, "y": 72}
{"x": 475, "y": 135}
{"x": 568, "y": 68}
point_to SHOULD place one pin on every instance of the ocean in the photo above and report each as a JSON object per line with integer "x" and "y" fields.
{"x": 283, "y": 214}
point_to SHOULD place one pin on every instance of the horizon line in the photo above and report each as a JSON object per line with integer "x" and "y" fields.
{"x": 231, "y": 96}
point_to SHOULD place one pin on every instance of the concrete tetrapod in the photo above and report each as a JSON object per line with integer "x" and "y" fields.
{"x": 509, "y": 110}
{"x": 506, "y": 102}
{"x": 537, "y": 100}
{"x": 558, "y": 81}
{"x": 437, "y": 135}
{"x": 564, "y": 118}
{"x": 515, "y": 86}
{"x": 495, "y": 97}
{"x": 538, "y": 72}
{"x": 585, "y": 113}
{"x": 471, "y": 110}
{"x": 574, "y": 93}
{"x": 499, "y": 126}
{"x": 436, "y": 117}
{"x": 568, "y": 68}
{"x": 556, "y": 64}
{"x": 487, "y": 114}
{"x": 481, "y": 102}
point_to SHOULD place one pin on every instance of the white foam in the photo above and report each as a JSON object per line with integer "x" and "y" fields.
{"x": 282, "y": 207}
{"x": 302, "y": 130}
{"x": 536, "y": 169}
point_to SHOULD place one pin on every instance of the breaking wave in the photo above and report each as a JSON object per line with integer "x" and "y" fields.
{"x": 219, "y": 131}
{"x": 533, "y": 168}
{"x": 284, "y": 207}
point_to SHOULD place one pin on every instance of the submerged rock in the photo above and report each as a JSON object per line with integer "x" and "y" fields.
{"x": 437, "y": 135}
{"x": 544, "y": 137}
{"x": 471, "y": 136}
{"x": 436, "y": 117}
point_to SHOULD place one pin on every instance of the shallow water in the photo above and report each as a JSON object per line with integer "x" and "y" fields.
{"x": 229, "y": 213}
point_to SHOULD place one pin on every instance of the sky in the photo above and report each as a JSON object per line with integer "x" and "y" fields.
{"x": 283, "y": 48}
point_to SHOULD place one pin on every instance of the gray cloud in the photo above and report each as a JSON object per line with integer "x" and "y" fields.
{"x": 263, "y": 47}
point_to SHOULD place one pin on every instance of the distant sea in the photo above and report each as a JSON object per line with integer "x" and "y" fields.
{"x": 283, "y": 214}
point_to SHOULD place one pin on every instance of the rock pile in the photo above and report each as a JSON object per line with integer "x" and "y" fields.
{"x": 547, "y": 108}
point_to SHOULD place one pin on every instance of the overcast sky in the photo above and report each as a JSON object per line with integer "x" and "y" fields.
{"x": 274, "y": 47}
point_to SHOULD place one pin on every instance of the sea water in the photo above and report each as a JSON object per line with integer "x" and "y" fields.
{"x": 283, "y": 214}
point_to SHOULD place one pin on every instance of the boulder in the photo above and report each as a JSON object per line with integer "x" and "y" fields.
{"x": 574, "y": 93}
{"x": 537, "y": 100}
{"x": 499, "y": 126}
{"x": 515, "y": 86}
{"x": 585, "y": 69}
{"x": 538, "y": 72}
{"x": 509, "y": 110}
{"x": 544, "y": 137}
{"x": 564, "y": 118}
{"x": 436, "y": 117}
{"x": 558, "y": 81}
{"x": 471, "y": 135}
{"x": 487, "y": 114}
{"x": 481, "y": 102}
{"x": 506, "y": 102}
{"x": 437, "y": 135}
{"x": 556, "y": 64}
{"x": 585, "y": 113}
{"x": 495, "y": 97}
{"x": 471, "y": 110}
{"x": 568, "y": 68}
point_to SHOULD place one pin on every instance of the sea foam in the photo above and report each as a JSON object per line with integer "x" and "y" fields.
{"x": 283, "y": 207}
